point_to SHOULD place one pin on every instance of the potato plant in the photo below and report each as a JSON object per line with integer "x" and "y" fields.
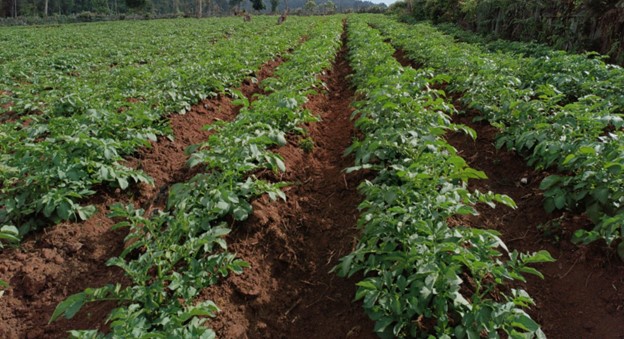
{"x": 422, "y": 277}
{"x": 82, "y": 107}
{"x": 182, "y": 250}
{"x": 562, "y": 112}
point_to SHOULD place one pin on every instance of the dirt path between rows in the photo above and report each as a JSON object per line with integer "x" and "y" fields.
{"x": 69, "y": 257}
{"x": 582, "y": 295}
{"x": 289, "y": 292}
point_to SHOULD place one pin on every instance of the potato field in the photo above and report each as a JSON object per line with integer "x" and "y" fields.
{"x": 343, "y": 176}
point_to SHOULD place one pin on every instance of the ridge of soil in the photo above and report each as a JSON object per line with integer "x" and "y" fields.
{"x": 288, "y": 292}
{"x": 67, "y": 258}
{"x": 582, "y": 293}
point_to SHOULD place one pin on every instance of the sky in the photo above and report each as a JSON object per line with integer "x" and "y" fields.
{"x": 387, "y": 2}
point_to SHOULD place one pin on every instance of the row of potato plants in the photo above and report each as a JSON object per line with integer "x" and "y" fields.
{"x": 423, "y": 277}
{"x": 51, "y": 160}
{"x": 560, "y": 112}
{"x": 174, "y": 254}
{"x": 574, "y": 75}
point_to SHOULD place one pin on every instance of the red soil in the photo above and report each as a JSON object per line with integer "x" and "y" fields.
{"x": 69, "y": 257}
{"x": 289, "y": 292}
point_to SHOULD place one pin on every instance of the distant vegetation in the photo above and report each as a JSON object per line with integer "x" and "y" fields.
{"x": 573, "y": 25}
{"x": 23, "y": 12}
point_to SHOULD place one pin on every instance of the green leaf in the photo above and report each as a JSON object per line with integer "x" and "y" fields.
{"x": 280, "y": 164}
{"x": 344, "y": 267}
{"x": 9, "y": 232}
{"x": 560, "y": 201}
{"x": 471, "y": 173}
{"x": 367, "y": 284}
{"x": 49, "y": 209}
{"x": 549, "y": 182}
{"x": 506, "y": 200}
{"x": 69, "y": 307}
{"x": 524, "y": 322}
{"x": 123, "y": 182}
{"x": 531, "y": 270}
{"x": 569, "y": 158}
{"x": 85, "y": 212}
{"x": 538, "y": 257}
{"x": 194, "y": 160}
{"x": 382, "y": 324}
{"x": 587, "y": 150}
{"x": 467, "y": 210}
{"x": 204, "y": 310}
{"x": 457, "y": 161}
{"x": 281, "y": 140}
{"x": 240, "y": 213}
{"x": 64, "y": 209}
{"x": 223, "y": 206}
{"x": 549, "y": 205}
{"x": 601, "y": 194}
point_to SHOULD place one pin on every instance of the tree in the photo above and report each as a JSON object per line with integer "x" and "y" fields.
{"x": 136, "y": 4}
{"x": 8, "y": 8}
{"x": 235, "y": 3}
{"x": 199, "y": 8}
{"x": 309, "y": 6}
{"x": 274, "y": 4}
{"x": 330, "y": 7}
{"x": 258, "y": 5}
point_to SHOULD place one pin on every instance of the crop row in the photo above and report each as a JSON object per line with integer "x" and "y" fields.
{"x": 561, "y": 112}
{"x": 424, "y": 277}
{"x": 94, "y": 112}
{"x": 574, "y": 75}
{"x": 173, "y": 254}
{"x": 67, "y": 69}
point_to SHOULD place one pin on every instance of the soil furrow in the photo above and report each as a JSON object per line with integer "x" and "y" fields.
{"x": 288, "y": 292}
{"x": 71, "y": 256}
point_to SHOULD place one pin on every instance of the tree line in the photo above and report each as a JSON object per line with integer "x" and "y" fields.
{"x": 87, "y": 8}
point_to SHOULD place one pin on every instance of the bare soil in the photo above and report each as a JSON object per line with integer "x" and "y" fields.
{"x": 69, "y": 257}
{"x": 289, "y": 292}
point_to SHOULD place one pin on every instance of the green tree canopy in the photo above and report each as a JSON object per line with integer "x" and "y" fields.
{"x": 330, "y": 7}
{"x": 310, "y": 6}
{"x": 274, "y": 4}
{"x": 136, "y": 4}
{"x": 258, "y": 5}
